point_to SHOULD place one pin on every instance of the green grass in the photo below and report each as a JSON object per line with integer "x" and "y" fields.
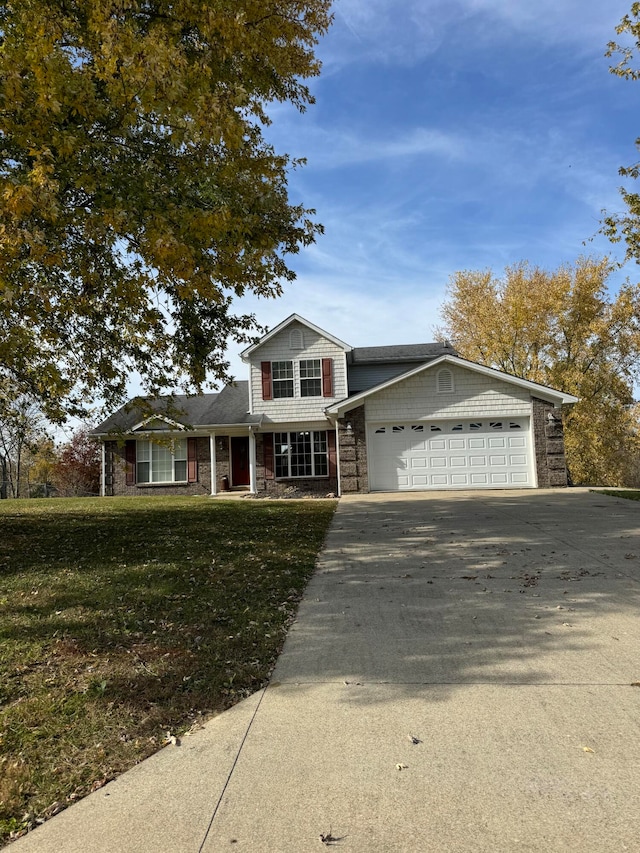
{"x": 629, "y": 494}
{"x": 123, "y": 619}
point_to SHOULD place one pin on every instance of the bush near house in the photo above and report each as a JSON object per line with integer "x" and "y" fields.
{"x": 123, "y": 619}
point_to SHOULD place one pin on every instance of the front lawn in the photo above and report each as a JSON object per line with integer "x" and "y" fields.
{"x": 123, "y": 619}
{"x": 629, "y": 494}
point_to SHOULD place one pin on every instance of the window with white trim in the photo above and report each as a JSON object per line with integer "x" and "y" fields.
{"x": 161, "y": 463}
{"x": 301, "y": 454}
{"x": 282, "y": 379}
{"x": 310, "y": 377}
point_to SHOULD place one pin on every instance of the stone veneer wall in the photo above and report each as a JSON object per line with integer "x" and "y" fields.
{"x": 354, "y": 474}
{"x": 548, "y": 437}
{"x": 318, "y": 487}
{"x": 116, "y": 482}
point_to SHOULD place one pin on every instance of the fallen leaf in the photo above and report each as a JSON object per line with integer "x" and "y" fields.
{"x": 402, "y": 766}
{"x": 587, "y": 749}
{"x": 414, "y": 740}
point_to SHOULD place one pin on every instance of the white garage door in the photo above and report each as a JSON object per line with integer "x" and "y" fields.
{"x": 486, "y": 454}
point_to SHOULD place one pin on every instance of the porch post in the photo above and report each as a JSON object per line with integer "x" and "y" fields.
{"x": 212, "y": 453}
{"x": 252, "y": 462}
{"x": 103, "y": 472}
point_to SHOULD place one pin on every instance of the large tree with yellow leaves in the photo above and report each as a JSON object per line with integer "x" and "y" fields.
{"x": 138, "y": 195}
{"x": 562, "y": 329}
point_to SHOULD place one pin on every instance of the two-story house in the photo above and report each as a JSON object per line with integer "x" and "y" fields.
{"x": 319, "y": 417}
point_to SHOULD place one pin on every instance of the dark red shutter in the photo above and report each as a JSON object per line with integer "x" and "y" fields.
{"x": 267, "y": 392}
{"x": 331, "y": 453}
{"x": 327, "y": 377}
{"x": 130, "y": 459}
{"x": 268, "y": 455}
{"x": 192, "y": 459}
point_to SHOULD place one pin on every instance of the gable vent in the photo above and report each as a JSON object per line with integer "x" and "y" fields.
{"x": 444, "y": 381}
{"x": 296, "y": 340}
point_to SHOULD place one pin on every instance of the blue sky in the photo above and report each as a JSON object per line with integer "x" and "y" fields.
{"x": 447, "y": 135}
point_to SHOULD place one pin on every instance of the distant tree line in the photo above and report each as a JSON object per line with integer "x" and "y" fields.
{"x": 33, "y": 466}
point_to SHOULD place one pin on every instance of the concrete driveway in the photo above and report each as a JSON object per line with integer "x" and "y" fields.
{"x": 501, "y": 631}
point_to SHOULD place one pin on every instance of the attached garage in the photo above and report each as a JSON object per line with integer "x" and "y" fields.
{"x": 451, "y": 454}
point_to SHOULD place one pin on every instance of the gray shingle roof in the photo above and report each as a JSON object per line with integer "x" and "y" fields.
{"x": 402, "y": 352}
{"x": 230, "y": 406}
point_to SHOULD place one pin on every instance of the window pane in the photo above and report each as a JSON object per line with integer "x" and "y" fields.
{"x": 310, "y": 388}
{"x": 310, "y": 378}
{"x": 180, "y": 448}
{"x": 161, "y": 464}
{"x": 310, "y": 369}
{"x": 282, "y": 388}
{"x": 143, "y": 472}
{"x": 181, "y": 469}
{"x": 300, "y": 454}
{"x": 282, "y": 379}
{"x": 281, "y": 446}
{"x": 320, "y": 454}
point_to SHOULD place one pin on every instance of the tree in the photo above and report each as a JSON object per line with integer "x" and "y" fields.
{"x": 138, "y": 194}
{"x": 626, "y": 227}
{"x": 561, "y": 329}
{"x": 22, "y": 429}
{"x": 77, "y": 471}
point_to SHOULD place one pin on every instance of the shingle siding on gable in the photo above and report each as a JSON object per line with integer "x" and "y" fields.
{"x": 474, "y": 396}
{"x": 297, "y": 408}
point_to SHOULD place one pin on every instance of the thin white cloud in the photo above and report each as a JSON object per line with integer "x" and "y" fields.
{"x": 404, "y": 32}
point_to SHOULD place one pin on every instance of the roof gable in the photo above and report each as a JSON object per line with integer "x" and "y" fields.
{"x": 249, "y": 351}
{"x": 552, "y": 395}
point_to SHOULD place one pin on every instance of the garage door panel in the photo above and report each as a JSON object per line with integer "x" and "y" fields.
{"x": 477, "y": 444}
{"x": 402, "y": 457}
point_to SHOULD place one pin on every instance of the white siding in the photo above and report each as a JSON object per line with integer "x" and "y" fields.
{"x": 474, "y": 396}
{"x": 291, "y": 409}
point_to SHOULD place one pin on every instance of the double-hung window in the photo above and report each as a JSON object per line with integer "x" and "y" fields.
{"x": 161, "y": 463}
{"x": 282, "y": 379}
{"x": 301, "y": 454}
{"x": 310, "y": 378}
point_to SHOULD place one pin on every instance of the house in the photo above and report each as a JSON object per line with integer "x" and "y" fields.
{"x": 317, "y": 416}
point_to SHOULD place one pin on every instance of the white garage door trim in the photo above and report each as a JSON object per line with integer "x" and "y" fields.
{"x": 487, "y": 453}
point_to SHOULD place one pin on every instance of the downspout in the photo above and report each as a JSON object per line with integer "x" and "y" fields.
{"x": 212, "y": 454}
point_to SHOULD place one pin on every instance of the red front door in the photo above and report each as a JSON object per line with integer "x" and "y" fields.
{"x": 240, "y": 462}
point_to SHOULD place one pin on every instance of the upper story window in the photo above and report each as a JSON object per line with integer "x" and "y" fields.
{"x": 282, "y": 379}
{"x": 310, "y": 378}
{"x": 296, "y": 339}
{"x": 444, "y": 381}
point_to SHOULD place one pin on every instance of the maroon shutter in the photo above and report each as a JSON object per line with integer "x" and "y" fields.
{"x": 331, "y": 453}
{"x": 192, "y": 459}
{"x": 267, "y": 392}
{"x": 327, "y": 377}
{"x": 267, "y": 440}
{"x": 130, "y": 459}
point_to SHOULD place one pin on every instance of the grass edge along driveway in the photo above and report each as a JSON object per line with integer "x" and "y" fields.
{"x": 123, "y": 620}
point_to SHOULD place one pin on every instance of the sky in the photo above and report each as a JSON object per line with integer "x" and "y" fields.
{"x": 450, "y": 135}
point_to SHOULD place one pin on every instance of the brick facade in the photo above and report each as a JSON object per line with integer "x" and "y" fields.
{"x": 548, "y": 438}
{"x": 318, "y": 487}
{"x": 352, "y": 452}
{"x": 116, "y": 480}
